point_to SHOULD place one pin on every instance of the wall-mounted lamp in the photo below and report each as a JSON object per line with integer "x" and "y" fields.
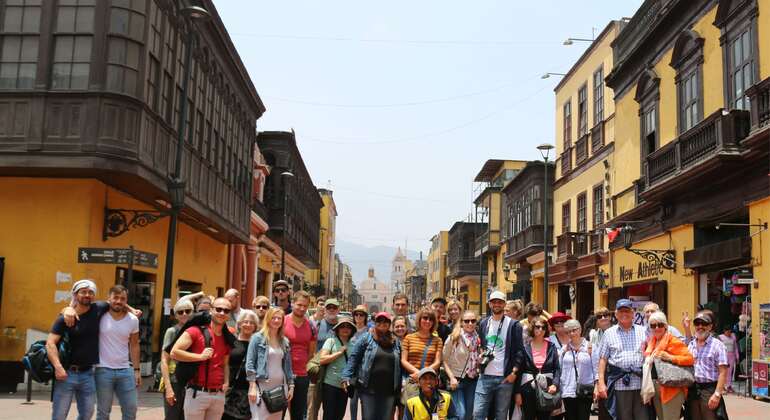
{"x": 549, "y": 74}
{"x": 506, "y": 271}
{"x": 570, "y": 41}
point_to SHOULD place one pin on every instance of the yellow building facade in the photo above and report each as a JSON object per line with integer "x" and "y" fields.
{"x": 689, "y": 174}
{"x": 326, "y": 272}
{"x": 585, "y": 132}
{"x": 436, "y": 266}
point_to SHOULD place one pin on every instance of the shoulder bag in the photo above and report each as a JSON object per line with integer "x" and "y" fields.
{"x": 672, "y": 375}
{"x": 581, "y": 390}
{"x": 545, "y": 400}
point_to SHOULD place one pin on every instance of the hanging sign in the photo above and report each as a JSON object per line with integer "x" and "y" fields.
{"x": 116, "y": 256}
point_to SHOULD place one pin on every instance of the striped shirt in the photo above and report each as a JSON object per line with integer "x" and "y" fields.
{"x": 414, "y": 346}
{"x": 708, "y": 358}
{"x": 623, "y": 349}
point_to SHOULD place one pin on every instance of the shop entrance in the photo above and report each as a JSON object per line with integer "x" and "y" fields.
{"x": 564, "y": 303}
{"x": 585, "y": 300}
{"x": 640, "y": 294}
{"x": 141, "y": 295}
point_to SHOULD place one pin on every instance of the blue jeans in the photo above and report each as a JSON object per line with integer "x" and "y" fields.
{"x": 462, "y": 398}
{"x": 376, "y": 407}
{"x": 354, "y": 406}
{"x": 115, "y": 381}
{"x": 80, "y": 385}
{"x": 489, "y": 388}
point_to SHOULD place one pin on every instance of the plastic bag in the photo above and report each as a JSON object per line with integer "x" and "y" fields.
{"x": 648, "y": 388}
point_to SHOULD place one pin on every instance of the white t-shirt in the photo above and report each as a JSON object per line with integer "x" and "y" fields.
{"x": 497, "y": 366}
{"x": 114, "y": 336}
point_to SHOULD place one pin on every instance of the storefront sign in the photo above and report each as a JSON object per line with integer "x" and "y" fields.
{"x": 645, "y": 270}
{"x": 116, "y": 256}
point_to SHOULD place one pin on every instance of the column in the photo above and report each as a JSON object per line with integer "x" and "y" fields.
{"x": 250, "y": 291}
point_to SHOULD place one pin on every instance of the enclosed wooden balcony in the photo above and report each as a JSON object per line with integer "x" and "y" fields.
{"x": 488, "y": 241}
{"x": 581, "y": 149}
{"x": 760, "y": 105}
{"x": 597, "y": 137}
{"x": 525, "y": 243}
{"x": 566, "y": 161}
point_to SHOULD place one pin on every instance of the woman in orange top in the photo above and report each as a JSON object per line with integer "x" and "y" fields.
{"x": 661, "y": 344}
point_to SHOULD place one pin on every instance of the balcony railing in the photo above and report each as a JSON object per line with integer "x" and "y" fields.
{"x": 574, "y": 243}
{"x": 597, "y": 137}
{"x": 566, "y": 161}
{"x": 529, "y": 238}
{"x": 718, "y": 133}
{"x": 581, "y": 149}
{"x": 759, "y": 94}
{"x": 597, "y": 242}
{"x": 465, "y": 267}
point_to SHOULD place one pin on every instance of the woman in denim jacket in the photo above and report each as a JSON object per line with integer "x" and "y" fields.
{"x": 374, "y": 368}
{"x": 268, "y": 364}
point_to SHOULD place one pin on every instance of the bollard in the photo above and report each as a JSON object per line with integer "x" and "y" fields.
{"x": 29, "y": 390}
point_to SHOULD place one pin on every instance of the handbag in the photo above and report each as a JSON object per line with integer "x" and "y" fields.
{"x": 672, "y": 375}
{"x": 315, "y": 371}
{"x": 545, "y": 400}
{"x": 581, "y": 390}
{"x": 274, "y": 399}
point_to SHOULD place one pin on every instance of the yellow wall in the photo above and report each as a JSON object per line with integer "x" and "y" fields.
{"x": 43, "y": 221}
{"x": 763, "y": 34}
{"x": 583, "y": 183}
{"x": 759, "y": 212}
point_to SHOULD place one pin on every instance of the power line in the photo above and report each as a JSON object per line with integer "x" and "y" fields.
{"x": 393, "y": 196}
{"x": 428, "y": 42}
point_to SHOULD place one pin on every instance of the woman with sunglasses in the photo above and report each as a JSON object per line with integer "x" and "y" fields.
{"x": 334, "y": 355}
{"x": 260, "y": 304}
{"x": 540, "y": 358}
{"x": 172, "y": 407}
{"x": 268, "y": 364}
{"x": 236, "y": 399}
{"x": 360, "y": 317}
{"x": 374, "y": 363}
{"x": 665, "y": 346}
{"x": 577, "y": 374}
{"x": 420, "y": 349}
{"x": 461, "y": 364}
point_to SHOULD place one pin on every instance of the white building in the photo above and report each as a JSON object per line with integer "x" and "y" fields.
{"x": 375, "y": 294}
{"x": 398, "y": 272}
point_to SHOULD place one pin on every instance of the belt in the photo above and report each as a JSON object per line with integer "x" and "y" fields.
{"x": 204, "y": 389}
{"x": 76, "y": 368}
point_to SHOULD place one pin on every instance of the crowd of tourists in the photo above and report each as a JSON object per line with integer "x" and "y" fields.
{"x": 222, "y": 361}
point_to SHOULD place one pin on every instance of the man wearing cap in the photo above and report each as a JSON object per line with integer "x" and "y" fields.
{"x": 325, "y": 328}
{"x": 501, "y": 336}
{"x": 430, "y": 403}
{"x": 77, "y": 379}
{"x": 619, "y": 378}
{"x": 704, "y": 401}
{"x": 281, "y": 295}
{"x": 438, "y": 304}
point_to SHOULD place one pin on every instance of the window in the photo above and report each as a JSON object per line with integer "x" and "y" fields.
{"x": 122, "y": 65}
{"x": 19, "y": 46}
{"x": 688, "y": 97}
{"x": 72, "y": 45}
{"x": 598, "y": 206}
{"x": 582, "y": 220}
{"x": 740, "y": 69}
{"x": 127, "y": 18}
{"x": 565, "y": 217}
{"x": 649, "y": 130}
{"x": 687, "y": 60}
{"x": 582, "y": 111}
{"x": 647, "y": 95}
{"x": 598, "y": 96}
{"x": 567, "y": 115}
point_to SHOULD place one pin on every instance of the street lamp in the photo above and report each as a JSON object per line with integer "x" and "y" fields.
{"x": 176, "y": 185}
{"x": 549, "y": 74}
{"x": 285, "y": 177}
{"x": 545, "y": 150}
{"x": 570, "y": 41}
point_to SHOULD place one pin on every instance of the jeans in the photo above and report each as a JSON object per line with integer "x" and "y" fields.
{"x": 298, "y": 406}
{"x": 120, "y": 382}
{"x": 354, "y": 406}
{"x": 462, "y": 398}
{"x": 335, "y": 400}
{"x": 491, "y": 388}
{"x": 80, "y": 385}
{"x": 376, "y": 407}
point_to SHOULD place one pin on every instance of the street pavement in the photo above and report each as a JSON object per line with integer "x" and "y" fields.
{"x": 13, "y": 407}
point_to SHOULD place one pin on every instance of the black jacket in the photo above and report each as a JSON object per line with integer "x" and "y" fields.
{"x": 552, "y": 364}
{"x": 514, "y": 345}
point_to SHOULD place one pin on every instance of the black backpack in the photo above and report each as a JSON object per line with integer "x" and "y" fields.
{"x": 36, "y": 361}
{"x": 186, "y": 371}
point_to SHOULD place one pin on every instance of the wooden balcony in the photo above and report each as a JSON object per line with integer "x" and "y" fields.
{"x": 575, "y": 244}
{"x": 597, "y": 137}
{"x": 596, "y": 242}
{"x": 488, "y": 241}
{"x": 581, "y": 149}
{"x": 719, "y": 134}
{"x": 760, "y": 105}
{"x": 525, "y": 243}
{"x": 566, "y": 161}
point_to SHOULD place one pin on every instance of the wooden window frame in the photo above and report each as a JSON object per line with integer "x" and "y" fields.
{"x": 566, "y": 216}
{"x": 567, "y": 123}
{"x": 733, "y": 20}
{"x": 582, "y": 110}
{"x": 687, "y": 59}
{"x": 598, "y": 91}
{"x": 597, "y": 206}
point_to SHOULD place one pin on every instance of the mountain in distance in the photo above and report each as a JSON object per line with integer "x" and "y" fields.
{"x": 361, "y": 257}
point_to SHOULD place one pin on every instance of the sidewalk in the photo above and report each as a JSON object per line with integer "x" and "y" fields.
{"x": 12, "y": 407}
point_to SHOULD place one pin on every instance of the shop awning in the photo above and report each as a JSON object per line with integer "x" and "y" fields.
{"x": 732, "y": 252}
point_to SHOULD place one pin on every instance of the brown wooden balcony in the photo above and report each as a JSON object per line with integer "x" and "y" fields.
{"x": 597, "y": 137}
{"x": 574, "y": 244}
{"x": 525, "y": 243}
{"x": 596, "y": 242}
{"x": 581, "y": 149}
{"x": 465, "y": 267}
{"x": 760, "y": 104}
{"x": 719, "y": 134}
{"x": 488, "y": 241}
{"x": 566, "y": 161}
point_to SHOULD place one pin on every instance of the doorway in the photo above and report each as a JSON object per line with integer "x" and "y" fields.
{"x": 585, "y": 301}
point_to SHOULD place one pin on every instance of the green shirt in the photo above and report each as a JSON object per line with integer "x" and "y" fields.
{"x": 334, "y": 369}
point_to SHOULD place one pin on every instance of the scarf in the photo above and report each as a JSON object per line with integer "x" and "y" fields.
{"x": 472, "y": 342}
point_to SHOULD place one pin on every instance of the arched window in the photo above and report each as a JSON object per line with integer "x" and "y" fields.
{"x": 687, "y": 59}
{"x": 737, "y": 20}
{"x": 648, "y": 97}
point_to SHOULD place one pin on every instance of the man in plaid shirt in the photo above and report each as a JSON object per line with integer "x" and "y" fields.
{"x": 705, "y": 399}
{"x": 619, "y": 379}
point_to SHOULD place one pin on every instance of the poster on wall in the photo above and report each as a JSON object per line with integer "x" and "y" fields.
{"x": 639, "y": 304}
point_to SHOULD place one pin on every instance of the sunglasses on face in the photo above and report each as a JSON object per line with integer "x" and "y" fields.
{"x": 359, "y": 314}
{"x": 332, "y": 308}
{"x": 657, "y": 325}
{"x": 184, "y": 312}
{"x": 281, "y": 290}
{"x": 699, "y": 323}
{"x": 261, "y": 306}
{"x": 539, "y": 327}
{"x": 574, "y": 330}
{"x": 222, "y": 310}
{"x": 426, "y": 318}
{"x": 469, "y": 321}
{"x": 603, "y": 316}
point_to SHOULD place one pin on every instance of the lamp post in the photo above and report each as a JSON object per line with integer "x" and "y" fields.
{"x": 545, "y": 150}
{"x": 547, "y": 75}
{"x": 570, "y": 41}
{"x": 285, "y": 177}
{"x": 176, "y": 184}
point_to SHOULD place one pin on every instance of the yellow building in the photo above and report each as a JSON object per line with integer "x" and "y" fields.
{"x": 436, "y": 271}
{"x": 585, "y": 133}
{"x": 690, "y": 190}
{"x": 490, "y": 180}
{"x": 326, "y": 273}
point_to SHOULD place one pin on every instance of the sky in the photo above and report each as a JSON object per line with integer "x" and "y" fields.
{"x": 397, "y": 105}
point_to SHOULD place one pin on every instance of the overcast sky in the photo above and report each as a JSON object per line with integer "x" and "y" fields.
{"x": 398, "y": 104}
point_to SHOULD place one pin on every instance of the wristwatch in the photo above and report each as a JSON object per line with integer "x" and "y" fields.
{"x": 718, "y": 394}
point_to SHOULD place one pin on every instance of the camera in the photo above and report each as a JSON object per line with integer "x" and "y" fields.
{"x": 485, "y": 357}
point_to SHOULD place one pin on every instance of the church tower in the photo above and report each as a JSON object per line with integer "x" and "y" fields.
{"x": 398, "y": 272}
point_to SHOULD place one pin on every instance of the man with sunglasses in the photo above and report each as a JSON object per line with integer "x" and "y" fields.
{"x": 281, "y": 296}
{"x": 205, "y": 393}
{"x": 704, "y": 399}
{"x": 502, "y": 337}
{"x": 619, "y": 377}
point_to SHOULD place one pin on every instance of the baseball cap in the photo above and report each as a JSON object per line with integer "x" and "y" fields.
{"x": 624, "y": 303}
{"x": 426, "y": 371}
{"x": 281, "y": 283}
{"x": 382, "y": 315}
{"x": 438, "y": 299}
{"x": 332, "y": 301}
{"x": 704, "y": 317}
{"x": 496, "y": 295}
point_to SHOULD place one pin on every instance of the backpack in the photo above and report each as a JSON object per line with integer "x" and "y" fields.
{"x": 36, "y": 361}
{"x": 186, "y": 371}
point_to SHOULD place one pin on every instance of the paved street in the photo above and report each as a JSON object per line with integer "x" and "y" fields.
{"x": 12, "y": 407}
